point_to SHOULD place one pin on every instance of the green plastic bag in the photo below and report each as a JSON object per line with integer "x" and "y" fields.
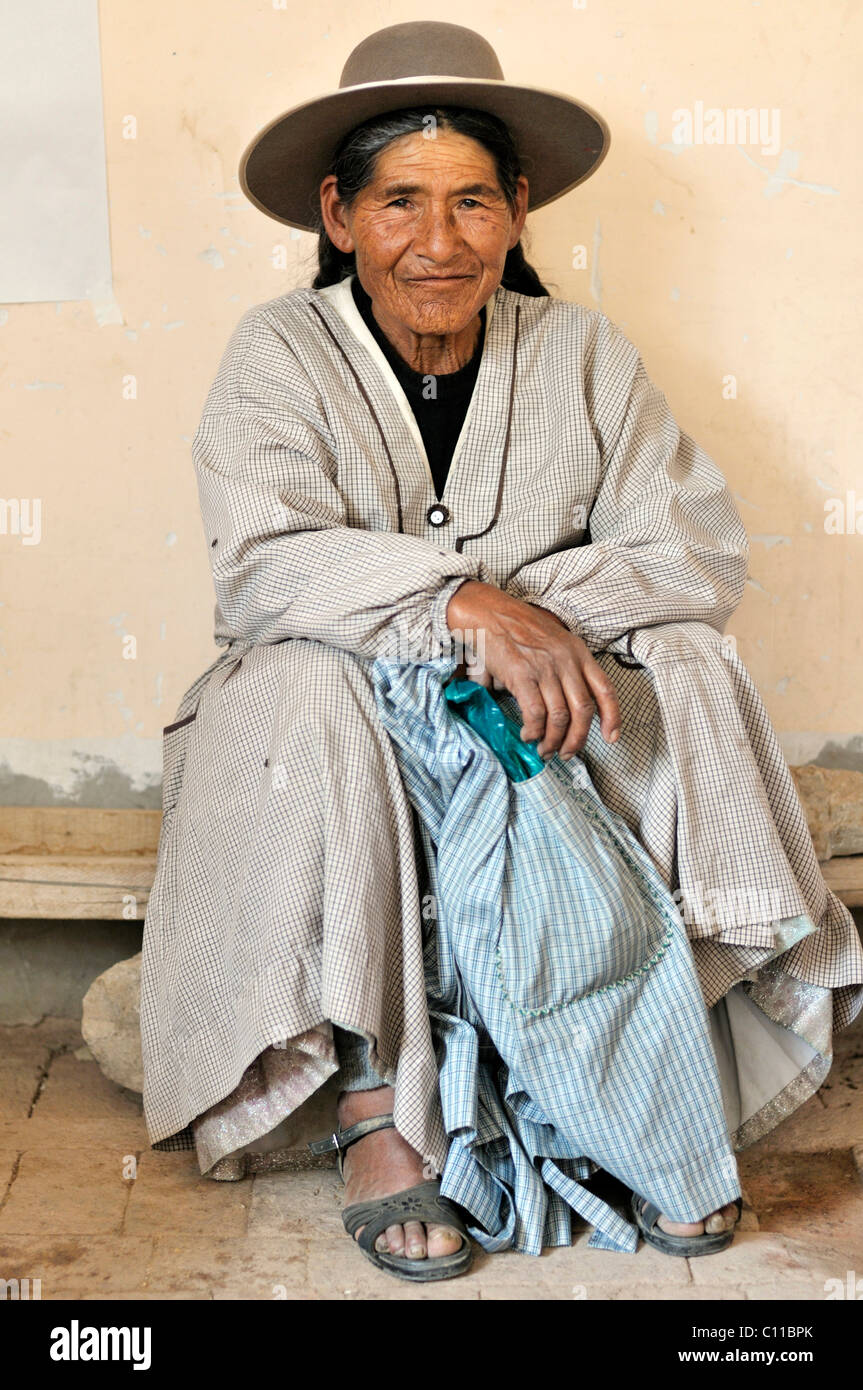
{"x": 478, "y": 707}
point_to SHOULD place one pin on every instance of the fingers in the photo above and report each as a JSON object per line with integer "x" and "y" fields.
{"x": 581, "y": 705}
{"x": 547, "y": 713}
{"x": 565, "y": 716}
{"x": 590, "y": 689}
{"x": 555, "y": 714}
{"x": 605, "y": 696}
{"x": 533, "y": 711}
{"x": 558, "y": 712}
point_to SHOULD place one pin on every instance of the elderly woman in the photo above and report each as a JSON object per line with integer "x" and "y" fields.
{"x": 424, "y": 445}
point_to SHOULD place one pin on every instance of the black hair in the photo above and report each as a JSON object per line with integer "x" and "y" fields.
{"x": 353, "y": 164}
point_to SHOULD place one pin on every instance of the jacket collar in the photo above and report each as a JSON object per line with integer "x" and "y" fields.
{"x": 473, "y": 490}
{"x": 341, "y": 298}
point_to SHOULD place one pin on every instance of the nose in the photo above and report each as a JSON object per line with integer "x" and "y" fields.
{"x": 436, "y": 236}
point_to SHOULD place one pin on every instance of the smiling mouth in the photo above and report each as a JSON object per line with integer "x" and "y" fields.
{"x": 437, "y": 279}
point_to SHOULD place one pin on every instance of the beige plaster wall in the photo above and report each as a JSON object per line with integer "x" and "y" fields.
{"x": 718, "y": 260}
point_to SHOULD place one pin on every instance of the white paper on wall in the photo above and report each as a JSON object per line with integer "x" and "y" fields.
{"x": 54, "y": 239}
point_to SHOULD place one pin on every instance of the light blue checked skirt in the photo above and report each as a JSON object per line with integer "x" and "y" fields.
{"x": 569, "y": 1023}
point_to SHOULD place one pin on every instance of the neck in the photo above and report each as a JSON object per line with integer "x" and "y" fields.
{"x": 430, "y": 354}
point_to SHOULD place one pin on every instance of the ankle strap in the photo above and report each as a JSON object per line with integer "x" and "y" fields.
{"x": 341, "y": 1139}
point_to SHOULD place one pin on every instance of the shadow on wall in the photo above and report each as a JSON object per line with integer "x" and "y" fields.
{"x": 848, "y": 756}
{"x": 105, "y": 786}
{"x": 98, "y": 782}
{"x": 46, "y": 968}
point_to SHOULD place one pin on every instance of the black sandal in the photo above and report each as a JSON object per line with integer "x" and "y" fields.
{"x": 647, "y": 1214}
{"x": 420, "y": 1203}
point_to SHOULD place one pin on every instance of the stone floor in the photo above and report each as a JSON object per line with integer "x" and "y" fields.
{"x": 90, "y": 1210}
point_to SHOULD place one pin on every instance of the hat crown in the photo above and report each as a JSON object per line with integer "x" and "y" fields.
{"x": 422, "y": 48}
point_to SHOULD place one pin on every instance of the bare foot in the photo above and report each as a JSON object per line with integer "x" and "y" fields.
{"x": 727, "y": 1216}
{"x": 381, "y": 1164}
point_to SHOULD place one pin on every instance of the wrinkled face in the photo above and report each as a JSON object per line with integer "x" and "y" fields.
{"x": 431, "y": 231}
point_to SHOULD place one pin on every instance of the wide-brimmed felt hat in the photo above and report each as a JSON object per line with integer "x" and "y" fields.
{"x": 561, "y": 141}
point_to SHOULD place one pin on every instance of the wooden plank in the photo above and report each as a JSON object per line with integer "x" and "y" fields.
{"x": 71, "y": 862}
{"x": 844, "y": 875}
{"x": 106, "y": 887}
{"x": 78, "y": 830}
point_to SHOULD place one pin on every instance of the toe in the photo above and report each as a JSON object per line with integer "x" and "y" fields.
{"x": 443, "y": 1240}
{"x": 680, "y": 1228}
{"x": 381, "y": 1242}
{"x": 396, "y": 1240}
{"x": 415, "y": 1240}
{"x": 723, "y": 1220}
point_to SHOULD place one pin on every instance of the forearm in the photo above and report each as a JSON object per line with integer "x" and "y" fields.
{"x": 373, "y": 593}
{"x": 602, "y": 592}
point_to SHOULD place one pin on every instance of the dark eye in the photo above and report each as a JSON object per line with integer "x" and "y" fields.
{"x": 472, "y": 200}
{"x": 395, "y": 202}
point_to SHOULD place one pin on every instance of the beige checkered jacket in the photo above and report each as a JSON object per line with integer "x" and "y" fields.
{"x": 287, "y": 891}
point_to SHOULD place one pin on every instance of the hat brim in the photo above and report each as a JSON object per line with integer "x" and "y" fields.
{"x": 561, "y": 141}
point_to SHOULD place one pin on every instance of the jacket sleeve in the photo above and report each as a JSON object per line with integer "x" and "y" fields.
{"x": 665, "y": 542}
{"x": 285, "y": 559}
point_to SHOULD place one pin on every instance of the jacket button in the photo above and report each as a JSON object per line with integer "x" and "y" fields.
{"x": 437, "y": 516}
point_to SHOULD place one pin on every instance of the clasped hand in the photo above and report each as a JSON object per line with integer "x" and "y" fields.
{"x": 550, "y": 672}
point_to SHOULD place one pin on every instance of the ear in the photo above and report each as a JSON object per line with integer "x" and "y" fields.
{"x": 333, "y": 214}
{"x": 518, "y": 220}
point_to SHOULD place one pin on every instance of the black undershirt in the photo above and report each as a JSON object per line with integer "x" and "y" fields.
{"x": 440, "y": 418}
